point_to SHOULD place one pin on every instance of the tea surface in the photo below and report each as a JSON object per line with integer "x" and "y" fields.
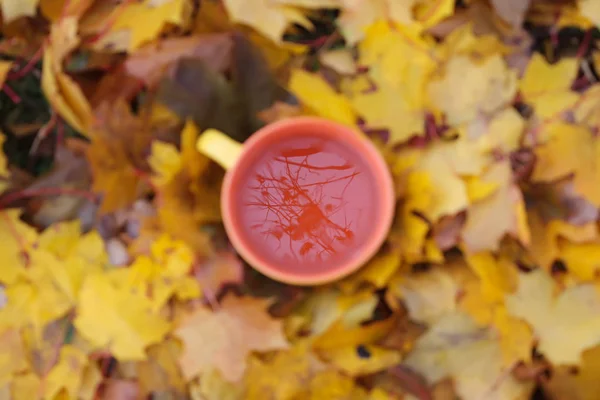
{"x": 307, "y": 203}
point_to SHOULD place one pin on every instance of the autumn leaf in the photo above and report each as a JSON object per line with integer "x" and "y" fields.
{"x": 240, "y": 326}
{"x": 455, "y": 346}
{"x": 569, "y": 149}
{"x": 114, "y": 318}
{"x": 60, "y": 89}
{"x": 547, "y": 86}
{"x": 187, "y": 192}
{"x": 381, "y": 107}
{"x": 148, "y": 62}
{"x": 491, "y": 86}
{"x": 119, "y": 280}
{"x": 114, "y": 163}
{"x": 133, "y": 24}
{"x": 67, "y": 374}
{"x": 164, "y": 273}
{"x": 503, "y": 212}
{"x": 321, "y": 98}
{"x": 565, "y": 323}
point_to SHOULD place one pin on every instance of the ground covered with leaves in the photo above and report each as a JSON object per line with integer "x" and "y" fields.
{"x": 117, "y": 278}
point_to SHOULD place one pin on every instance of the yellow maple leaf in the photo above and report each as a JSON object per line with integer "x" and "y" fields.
{"x": 547, "y": 86}
{"x": 115, "y": 319}
{"x": 565, "y": 324}
{"x": 490, "y": 86}
{"x": 387, "y": 107}
{"x": 322, "y": 99}
{"x": 164, "y": 273}
{"x": 72, "y": 255}
{"x": 403, "y": 57}
{"x": 448, "y": 193}
{"x": 570, "y": 149}
{"x": 241, "y": 325}
{"x": 35, "y": 300}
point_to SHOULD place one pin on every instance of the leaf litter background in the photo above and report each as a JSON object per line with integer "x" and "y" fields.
{"x": 118, "y": 281}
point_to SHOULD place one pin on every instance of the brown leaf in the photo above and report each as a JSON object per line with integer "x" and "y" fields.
{"x": 254, "y": 83}
{"x": 150, "y": 62}
{"x": 196, "y": 91}
{"x": 115, "y": 86}
{"x": 446, "y": 232}
{"x": 117, "y": 389}
{"x": 71, "y": 174}
{"x": 118, "y": 154}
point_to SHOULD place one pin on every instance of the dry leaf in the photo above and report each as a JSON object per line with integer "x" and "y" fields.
{"x": 565, "y": 323}
{"x": 224, "y": 338}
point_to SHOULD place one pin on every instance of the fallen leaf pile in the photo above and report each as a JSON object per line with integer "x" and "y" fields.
{"x": 119, "y": 282}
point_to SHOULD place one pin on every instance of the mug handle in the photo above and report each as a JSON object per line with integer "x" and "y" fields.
{"x": 219, "y": 147}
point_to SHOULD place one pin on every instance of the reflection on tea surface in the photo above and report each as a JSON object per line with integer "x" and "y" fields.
{"x": 307, "y": 202}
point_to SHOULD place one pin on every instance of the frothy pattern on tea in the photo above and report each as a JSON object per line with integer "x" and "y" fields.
{"x": 308, "y": 202}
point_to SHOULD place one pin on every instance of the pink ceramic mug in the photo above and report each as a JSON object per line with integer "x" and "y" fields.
{"x": 305, "y": 200}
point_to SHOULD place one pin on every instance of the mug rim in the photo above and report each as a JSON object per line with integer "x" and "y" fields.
{"x": 385, "y": 185}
